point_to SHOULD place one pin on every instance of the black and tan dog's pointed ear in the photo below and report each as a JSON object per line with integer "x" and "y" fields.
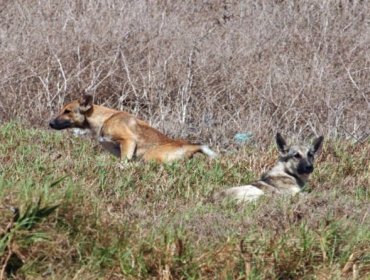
{"x": 281, "y": 143}
{"x": 317, "y": 144}
{"x": 86, "y": 102}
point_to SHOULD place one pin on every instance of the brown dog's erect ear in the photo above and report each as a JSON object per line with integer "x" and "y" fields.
{"x": 86, "y": 102}
{"x": 317, "y": 143}
{"x": 281, "y": 143}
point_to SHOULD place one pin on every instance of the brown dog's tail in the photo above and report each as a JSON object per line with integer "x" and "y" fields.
{"x": 176, "y": 151}
{"x": 207, "y": 151}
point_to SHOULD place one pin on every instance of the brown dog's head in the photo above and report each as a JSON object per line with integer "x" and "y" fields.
{"x": 73, "y": 114}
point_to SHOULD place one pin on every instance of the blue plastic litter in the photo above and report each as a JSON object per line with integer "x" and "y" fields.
{"x": 243, "y": 137}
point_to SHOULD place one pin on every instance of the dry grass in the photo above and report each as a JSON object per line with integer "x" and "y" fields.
{"x": 197, "y": 69}
{"x": 141, "y": 221}
{"x": 202, "y": 70}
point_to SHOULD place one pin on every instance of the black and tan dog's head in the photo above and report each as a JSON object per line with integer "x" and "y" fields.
{"x": 298, "y": 159}
{"x": 73, "y": 114}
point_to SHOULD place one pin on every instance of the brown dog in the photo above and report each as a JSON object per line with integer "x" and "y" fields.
{"x": 124, "y": 135}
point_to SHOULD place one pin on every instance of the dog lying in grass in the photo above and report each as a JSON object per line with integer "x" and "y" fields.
{"x": 124, "y": 135}
{"x": 288, "y": 176}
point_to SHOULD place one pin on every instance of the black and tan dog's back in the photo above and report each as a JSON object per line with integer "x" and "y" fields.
{"x": 288, "y": 176}
{"x": 123, "y": 134}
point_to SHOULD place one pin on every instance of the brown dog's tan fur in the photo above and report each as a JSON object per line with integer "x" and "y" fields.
{"x": 123, "y": 134}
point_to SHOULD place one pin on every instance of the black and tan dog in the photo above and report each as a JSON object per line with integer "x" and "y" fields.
{"x": 123, "y": 134}
{"x": 288, "y": 176}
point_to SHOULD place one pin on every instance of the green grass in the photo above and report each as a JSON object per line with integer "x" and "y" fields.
{"x": 84, "y": 214}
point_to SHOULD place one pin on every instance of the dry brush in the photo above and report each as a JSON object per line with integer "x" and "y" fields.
{"x": 197, "y": 69}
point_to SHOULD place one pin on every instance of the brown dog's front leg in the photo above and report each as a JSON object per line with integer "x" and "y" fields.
{"x": 128, "y": 148}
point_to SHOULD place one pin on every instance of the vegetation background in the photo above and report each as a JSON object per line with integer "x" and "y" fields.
{"x": 201, "y": 70}
{"x": 197, "y": 69}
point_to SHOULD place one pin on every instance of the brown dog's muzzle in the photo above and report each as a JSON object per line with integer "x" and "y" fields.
{"x": 60, "y": 124}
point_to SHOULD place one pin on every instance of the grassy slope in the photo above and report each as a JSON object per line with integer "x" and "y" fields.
{"x": 142, "y": 220}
